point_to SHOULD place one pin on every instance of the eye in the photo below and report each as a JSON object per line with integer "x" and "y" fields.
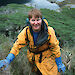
{"x": 33, "y": 20}
{"x": 38, "y": 19}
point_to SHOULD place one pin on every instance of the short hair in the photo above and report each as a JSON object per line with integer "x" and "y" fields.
{"x": 34, "y": 12}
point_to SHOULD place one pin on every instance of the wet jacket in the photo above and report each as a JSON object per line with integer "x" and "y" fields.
{"x": 44, "y": 52}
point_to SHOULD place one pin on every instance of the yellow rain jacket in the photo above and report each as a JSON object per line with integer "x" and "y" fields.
{"x": 42, "y": 55}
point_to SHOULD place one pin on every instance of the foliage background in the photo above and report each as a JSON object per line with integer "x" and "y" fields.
{"x": 13, "y": 20}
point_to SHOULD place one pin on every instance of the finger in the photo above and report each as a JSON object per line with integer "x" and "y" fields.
{"x": 59, "y": 70}
{"x": 1, "y": 65}
{"x": 63, "y": 69}
{"x": 1, "y": 62}
{"x": 6, "y": 67}
{"x": 2, "y": 68}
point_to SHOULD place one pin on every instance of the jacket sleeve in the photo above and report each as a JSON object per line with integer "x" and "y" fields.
{"x": 19, "y": 43}
{"x": 53, "y": 43}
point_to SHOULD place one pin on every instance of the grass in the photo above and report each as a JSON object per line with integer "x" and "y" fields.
{"x": 63, "y": 23}
{"x": 14, "y": 15}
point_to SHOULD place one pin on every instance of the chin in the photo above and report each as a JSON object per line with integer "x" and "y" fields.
{"x": 36, "y": 30}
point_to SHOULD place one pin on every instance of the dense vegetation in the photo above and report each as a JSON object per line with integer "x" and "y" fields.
{"x": 12, "y": 20}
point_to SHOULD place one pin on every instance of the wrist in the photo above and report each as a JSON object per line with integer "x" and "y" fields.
{"x": 58, "y": 61}
{"x": 10, "y": 57}
{"x": 60, "y": 65}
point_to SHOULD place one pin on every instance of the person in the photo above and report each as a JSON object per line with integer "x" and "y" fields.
{"x": 43, "y": 46}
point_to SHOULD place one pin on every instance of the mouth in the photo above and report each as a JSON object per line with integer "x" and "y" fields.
{"x": 36, "y": 26}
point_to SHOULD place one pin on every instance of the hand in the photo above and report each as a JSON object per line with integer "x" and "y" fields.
{"x": 61, "y": 67}
{"x": 4, "y": 64}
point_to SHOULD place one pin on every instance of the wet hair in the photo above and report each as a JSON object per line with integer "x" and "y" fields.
{"x": 34, "y": 12}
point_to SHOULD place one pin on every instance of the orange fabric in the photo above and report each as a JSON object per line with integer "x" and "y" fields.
{"x": 46, "y": 21}
{"x": 19, "y": 43}
{"x": 54, "y": 43}
{"x": 48, "y": 65}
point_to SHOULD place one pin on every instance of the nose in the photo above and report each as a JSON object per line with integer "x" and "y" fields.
{"x": 36, "y": 22}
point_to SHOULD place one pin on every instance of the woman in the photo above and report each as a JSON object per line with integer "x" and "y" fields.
{"x": 43, "y": 50}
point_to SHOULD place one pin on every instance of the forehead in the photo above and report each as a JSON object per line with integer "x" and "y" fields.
{"x": 33, "y": 17}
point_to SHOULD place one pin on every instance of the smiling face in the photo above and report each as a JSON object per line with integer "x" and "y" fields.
{"x": 35, "y": 19}
{"x": 35, "y": 23}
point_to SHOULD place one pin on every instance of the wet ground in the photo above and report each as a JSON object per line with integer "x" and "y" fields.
{"x": 70, "y": 5}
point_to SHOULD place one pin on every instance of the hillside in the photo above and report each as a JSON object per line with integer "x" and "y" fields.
{"x": 63, "y": 23}
{"x": 13, "y": 20}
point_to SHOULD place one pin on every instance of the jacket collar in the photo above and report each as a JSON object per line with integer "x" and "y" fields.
{"x": 43, "y": 35}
